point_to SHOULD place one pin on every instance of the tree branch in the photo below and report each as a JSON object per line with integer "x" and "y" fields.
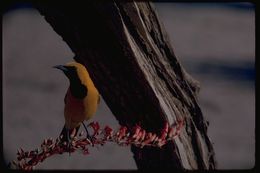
{"x": 130, "y": 59}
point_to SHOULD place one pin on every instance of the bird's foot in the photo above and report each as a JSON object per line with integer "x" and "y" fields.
{"x": 69, "y": 144}
{"x": 91, "y": 139}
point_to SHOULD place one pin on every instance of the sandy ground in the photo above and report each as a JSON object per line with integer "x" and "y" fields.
{"x": 214, "y": 43}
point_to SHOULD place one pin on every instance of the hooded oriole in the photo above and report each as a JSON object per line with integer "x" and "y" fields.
{"x": 81, "y": 99}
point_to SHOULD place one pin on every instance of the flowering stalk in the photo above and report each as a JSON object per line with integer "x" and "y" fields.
{"x": 137, "y": 136}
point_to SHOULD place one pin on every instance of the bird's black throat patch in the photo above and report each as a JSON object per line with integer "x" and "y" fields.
{"x": 78, "y": 90}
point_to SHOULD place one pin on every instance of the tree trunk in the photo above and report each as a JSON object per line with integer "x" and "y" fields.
{"x": 131, "y": 61}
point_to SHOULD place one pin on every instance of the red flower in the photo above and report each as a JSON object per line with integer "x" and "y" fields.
{"x": 124, "y": 136}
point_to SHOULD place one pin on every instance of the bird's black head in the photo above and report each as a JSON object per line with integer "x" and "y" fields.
{"x": 78, "y": 89}
{"x": 69, "y": 71}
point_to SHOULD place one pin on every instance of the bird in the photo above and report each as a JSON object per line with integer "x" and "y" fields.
{"x": 81, "y": 100}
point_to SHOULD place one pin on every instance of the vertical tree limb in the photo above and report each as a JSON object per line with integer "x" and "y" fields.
{"x": 132, "y": 63}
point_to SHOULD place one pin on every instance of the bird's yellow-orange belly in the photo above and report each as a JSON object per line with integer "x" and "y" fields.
{"x": 78, "y": 110}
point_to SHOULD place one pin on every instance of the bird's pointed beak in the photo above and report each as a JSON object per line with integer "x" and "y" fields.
{"x": 61, "y": 67}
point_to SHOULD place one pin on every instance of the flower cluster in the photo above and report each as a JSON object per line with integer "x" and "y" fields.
{"x": 137, "y": 136}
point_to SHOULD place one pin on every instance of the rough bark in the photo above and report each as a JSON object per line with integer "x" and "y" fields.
{"x": 131, "y": 61}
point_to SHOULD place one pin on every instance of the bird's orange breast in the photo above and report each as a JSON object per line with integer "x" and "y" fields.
{"x": 77, "y": 110}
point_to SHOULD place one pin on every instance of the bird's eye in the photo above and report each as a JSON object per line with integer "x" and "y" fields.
{"x": 71, "y": 68}
{"x": 72, "y": 72}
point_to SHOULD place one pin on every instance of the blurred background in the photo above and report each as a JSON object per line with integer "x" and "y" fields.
{"x": 215, "y": 42}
